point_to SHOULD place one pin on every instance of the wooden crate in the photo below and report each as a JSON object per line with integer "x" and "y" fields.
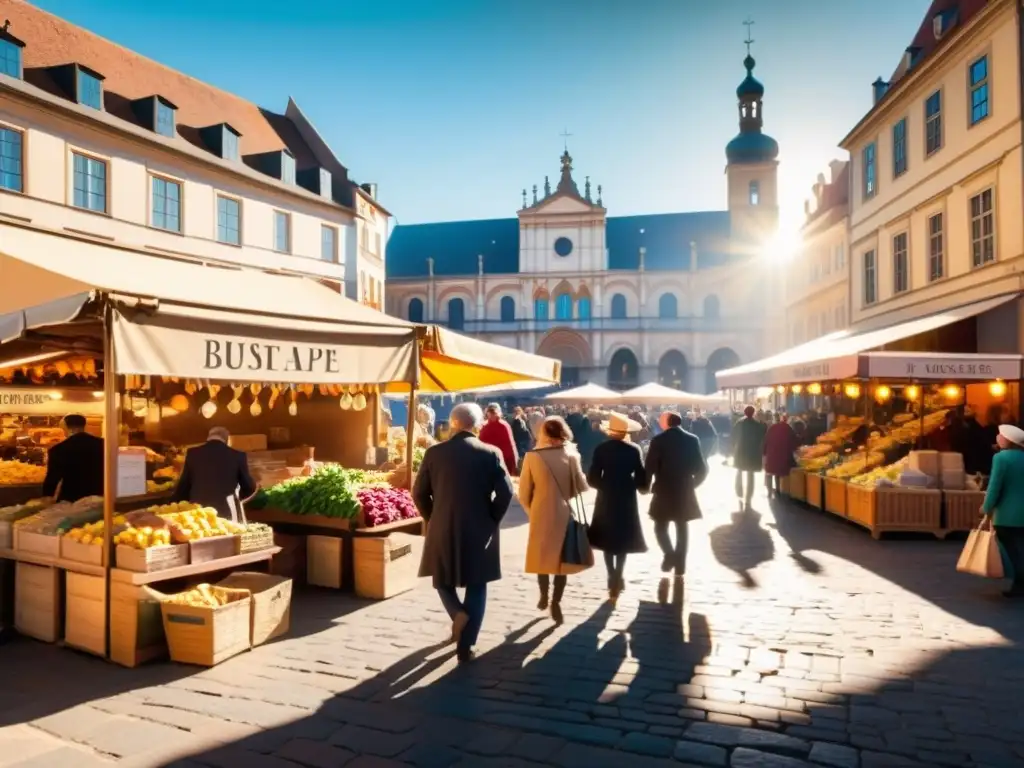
{"x": 963, "y": 509}
{"x": 136, "y": 625}
{"x": 325, "y": 559}
{"x": 291, "y": 561}
{"x": 815, "y": 491}
{"x": 882, "y": 510}
{"x": 37, "y": 602}
{"x": 276, "y": 516}
{"x": 835, "y": 496}
{"x": 784, "y": 485}
{"x": 85, "y": 613}
{"x": 214, "y": 548}
{"x": 386, "y": 566}
{"x": 36, "y": 543}
{"x": 206, "y": 636}
{"x": 78, "y": 552}
{"x": 798, "y": 484}
{"x": 151, "y": 559}
{"x": 271, "y": 603}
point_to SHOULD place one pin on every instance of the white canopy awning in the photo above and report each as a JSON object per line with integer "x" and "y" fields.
{"x": 587, "y": 393}
{"x": 841, "y": 355}
{"x": 658, "y": 394}
{"x": 181, "y": 318}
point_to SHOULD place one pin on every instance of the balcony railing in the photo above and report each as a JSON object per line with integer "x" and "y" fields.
{"x": 677, "y": 324}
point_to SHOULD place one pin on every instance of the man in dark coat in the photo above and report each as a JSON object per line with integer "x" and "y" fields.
{"x": 747, "y": 452}
{"x": 705, "y": 431}
{"x": 677, "y": 466}
{"x": 463, "y": 491}
{"x": 75, "y": 465}
{"x": 216, "y": 475}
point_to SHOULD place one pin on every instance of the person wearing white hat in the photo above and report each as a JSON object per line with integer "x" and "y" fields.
{"x": 617, "y": 472}
{"x": 1004, "y": 501}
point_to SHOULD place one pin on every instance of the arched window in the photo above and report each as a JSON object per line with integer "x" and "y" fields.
{"x": 755, "y": 193}
{"x": 415, "y": 312}
{"x": 456, "y": 314}
{"x": 712, "y": 308}
{"x": 618, "y": 307}
{"x": 583, "y": 308}
{"x": 540, "y": 309}
{"x": 668, "y": 306}
{"x": 563, "y": 307}
{"x": 508, "y": 309}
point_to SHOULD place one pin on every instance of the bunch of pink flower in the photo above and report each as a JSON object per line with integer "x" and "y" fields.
{"x": 383, "y": 504}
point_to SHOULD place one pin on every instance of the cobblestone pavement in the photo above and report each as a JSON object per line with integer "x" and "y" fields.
{"x": 797, "y": 640}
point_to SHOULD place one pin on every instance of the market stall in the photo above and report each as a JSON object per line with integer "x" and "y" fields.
{"x": 585, "y": 394}
{"x": 908, "y": 434}
{"x": 658, "y": 395}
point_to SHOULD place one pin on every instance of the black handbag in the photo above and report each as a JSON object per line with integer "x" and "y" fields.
{"x": 577, "y": 554}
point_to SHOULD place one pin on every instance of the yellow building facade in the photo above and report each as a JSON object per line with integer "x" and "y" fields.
{"x": 935, "y": 214}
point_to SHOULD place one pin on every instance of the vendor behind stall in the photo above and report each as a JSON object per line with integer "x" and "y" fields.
{"x": 216, "y": 475}
{"x": 74, "y": 467}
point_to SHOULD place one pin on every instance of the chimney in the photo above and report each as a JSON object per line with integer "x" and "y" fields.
{"x": 879, "y": 87}
{"x": 369, "y": 188}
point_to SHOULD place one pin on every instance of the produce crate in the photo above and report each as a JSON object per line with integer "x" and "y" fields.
{"x": 37, "y": 602}
{"x": 7, "y": 525}
{"x": 151, "y": 559}
{"x": 784, "y": 485}
{"x": 411, "y": 525}
{"x": 882, "y": 510}
{"x": 256, "y": 540}
{"x": 815, "y": 490}
{"x": 835, "y": 496}
{"x": 136, "y": 625}
{"x": 36, "y": 543}
{"x": 386, "y": 566}
{"x": 214, "y": 548}
{"x": 206, "y": 636}
{"x": 963, "y": 509}
{"x": 325, "y": 560}
{"x": 290, "y": 562}
{"x": 85, "y": 616}
{"x": 798, "y": 484}
{"x": 78, "y": 552}
{"x": 271, "y": 603}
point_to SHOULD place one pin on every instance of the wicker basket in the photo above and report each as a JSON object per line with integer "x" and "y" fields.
{"x": 962, "y": 509}
{"x": 256, "y": 539}
{"x": 815, "y": 491}
{"x": 784, "y": 485}
{"x": 880, "y": 510}
{"x": 798, "y": 484}
{"x": 835, "y": 496}
{"x": 207, "y": 636}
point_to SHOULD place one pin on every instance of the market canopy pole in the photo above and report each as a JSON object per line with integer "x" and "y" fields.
{"x": 111, "y": 432}
{"x": 414, "y": 383}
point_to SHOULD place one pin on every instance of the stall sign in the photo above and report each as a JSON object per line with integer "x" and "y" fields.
{"x": 944, "y": 368}
{"x": 131, "y": 472}
{"x": 47, "y": 402}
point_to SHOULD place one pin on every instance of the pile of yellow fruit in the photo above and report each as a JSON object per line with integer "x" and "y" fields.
{"x": 19, "y": 473}
{"x": 166, "y": 473}
{"x": 890, "y": 473}
{"x": 203, "y": 523}
{"x": 172, "y": 508}
{"x": 818, "y": 463}
{"x": 205, "y": 596}
{"x": 92, "y": 533}
{"x": 855, "y": 465}
{"x": 144, "y": 538}
{"x": 154, "y": 487}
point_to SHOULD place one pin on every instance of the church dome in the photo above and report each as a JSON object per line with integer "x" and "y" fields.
{"x": 750, "y": 86}
{"x": 752, "y": 148}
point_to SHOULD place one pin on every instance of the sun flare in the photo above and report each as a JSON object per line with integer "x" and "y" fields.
{"x": 782, "y": 247}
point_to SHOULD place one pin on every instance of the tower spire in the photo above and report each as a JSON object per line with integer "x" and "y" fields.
{"x": 749, "y": 41}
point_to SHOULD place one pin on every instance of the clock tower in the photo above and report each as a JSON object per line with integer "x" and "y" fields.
{"x": 562, "y": 232}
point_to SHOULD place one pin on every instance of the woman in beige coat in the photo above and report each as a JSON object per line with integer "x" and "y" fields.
{"x": 551, "y": 477}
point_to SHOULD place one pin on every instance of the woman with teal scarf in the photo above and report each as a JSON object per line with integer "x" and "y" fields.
{"x": 1004, "y": 501}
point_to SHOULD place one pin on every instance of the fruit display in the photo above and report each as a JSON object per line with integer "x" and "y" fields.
{"x": 857, "y": 464}
{"x": 329, "y": 491}
{"x": 143, "y": 538}
{"x": 18, "y": 511}
{"x": 92, "y": 533}
{"x": 152, "y": 486}
{"x": 383, "y": 504}
{"x": 166, "y": 473}
{"x": 817, "y": 463}
{"x": 885, "y": 475}
{"x": 63, "y": 516}
{"x": 202, "y": 523}
{"x": 19, "y": 473}
{"x": 206, "y": 596}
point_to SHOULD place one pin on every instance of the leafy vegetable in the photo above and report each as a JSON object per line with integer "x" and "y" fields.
{"x": 330, "y": 491}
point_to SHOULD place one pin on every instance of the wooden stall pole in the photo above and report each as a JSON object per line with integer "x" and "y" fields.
{"x": 920, "y": 412}
{"x": 111, "y": 437}
{"x": 414, "y": 382}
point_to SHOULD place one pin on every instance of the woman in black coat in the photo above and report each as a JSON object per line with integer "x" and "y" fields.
{"x": 617, "y": 472}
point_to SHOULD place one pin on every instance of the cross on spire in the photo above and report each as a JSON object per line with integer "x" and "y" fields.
{"x": 748, "y": 24}
{"x": 565, "y": 138}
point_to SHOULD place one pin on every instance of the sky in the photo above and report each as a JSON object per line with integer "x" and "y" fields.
{"x": 454, "y": 106}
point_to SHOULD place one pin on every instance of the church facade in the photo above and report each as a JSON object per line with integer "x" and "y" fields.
{"x": 620, "y": 300}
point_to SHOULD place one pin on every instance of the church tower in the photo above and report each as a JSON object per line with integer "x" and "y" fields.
{"x": 752, "y": 167}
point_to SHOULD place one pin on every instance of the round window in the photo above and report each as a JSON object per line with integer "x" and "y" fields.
{"x": 563, "y": 246}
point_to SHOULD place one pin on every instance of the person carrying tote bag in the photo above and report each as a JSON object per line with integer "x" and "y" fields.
{"x": 1003, "y": 509}
{"x": 552, "y": 477}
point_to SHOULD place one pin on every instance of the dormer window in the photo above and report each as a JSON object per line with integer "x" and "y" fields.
{"x": 325, "y": 182}
{"x": 89, "y": 88}
{"x": 164, "y": 119}
{"x": 316, "y": 180}
{"x": 287, "y": 168}
{"x": 10, "y": 53}
{"x": 222, "y": 139}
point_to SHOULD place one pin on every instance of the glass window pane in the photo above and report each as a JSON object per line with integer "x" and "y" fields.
{"x": 10, "y": 59}
{"x": 164, "y": 119}
{"x": 10, "y": 166}
{"x": 90, "y": 90}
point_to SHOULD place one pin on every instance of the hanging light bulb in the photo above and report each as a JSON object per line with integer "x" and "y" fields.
{"x": 814, "y": 389}
{"x": 852, "y": 391}
{"x": 209, "y": 408}
{"x": 952, "y": 391}
{"x": 255, "y": 409}
{"x": 781, "y": 389}
{"x": 797, "y": 389}
{"x": 293, "y": 406}
{"x": 912, "y": 392}
{"x": 882, "y": 393}
{"x": 997, "y": 388}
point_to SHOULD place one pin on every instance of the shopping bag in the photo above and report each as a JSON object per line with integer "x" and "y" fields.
{"x": 577, "y": 554}
{"x": 981, "y": 555}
